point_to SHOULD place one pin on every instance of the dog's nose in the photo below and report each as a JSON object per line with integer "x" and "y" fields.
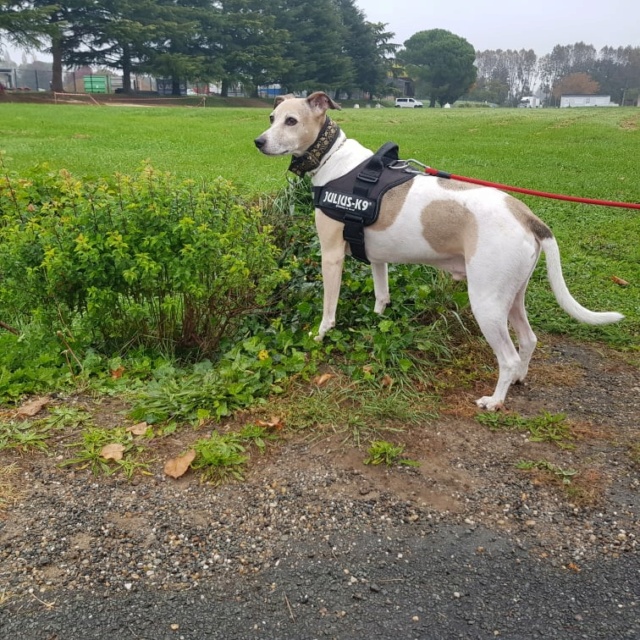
{"x": 260, "y": 142}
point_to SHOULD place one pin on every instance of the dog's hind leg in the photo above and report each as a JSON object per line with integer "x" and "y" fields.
{"x": 491, "y": 314}
{"x": 526, "y": 338}
{"x": 380, "y": 285}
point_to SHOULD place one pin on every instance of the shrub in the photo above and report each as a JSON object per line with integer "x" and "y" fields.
{"x": 133, "y": 260}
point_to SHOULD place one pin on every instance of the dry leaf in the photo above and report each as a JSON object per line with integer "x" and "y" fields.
{"x": 387, "y": 380}
{"x": 620, "y": 281}
{"x": 112, "y": 451}
{"x": 325, "y": 377}
{"x": 33, "y": 407}
{"x": 177, "y": 467}
{"x": 572, "y": 566}
{"x": 138, "y": 429}
{"x": 116, "y": 374}
{"x": 274, "y": 423}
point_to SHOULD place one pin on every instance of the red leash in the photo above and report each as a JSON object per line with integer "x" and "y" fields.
{"x": 531, "y": 192}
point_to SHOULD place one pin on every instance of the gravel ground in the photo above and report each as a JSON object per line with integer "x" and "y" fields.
{"x": 316, "y": 545}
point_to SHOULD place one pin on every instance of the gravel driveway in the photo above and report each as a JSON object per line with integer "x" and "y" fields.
{"x": 314, "y": 544}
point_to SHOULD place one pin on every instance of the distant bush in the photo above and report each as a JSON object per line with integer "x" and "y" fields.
{"x": 145, "y": 260}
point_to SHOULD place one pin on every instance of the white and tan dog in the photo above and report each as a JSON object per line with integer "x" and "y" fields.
{"x": 477, "y": 233}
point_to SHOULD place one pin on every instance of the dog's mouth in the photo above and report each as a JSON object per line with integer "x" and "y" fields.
{"x": 262, "y": 144}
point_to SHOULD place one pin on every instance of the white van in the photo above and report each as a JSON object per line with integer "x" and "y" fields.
{"x": 408, "y": 103}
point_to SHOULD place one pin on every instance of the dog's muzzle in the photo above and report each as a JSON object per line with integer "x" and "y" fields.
{"x": 260, "y": 142}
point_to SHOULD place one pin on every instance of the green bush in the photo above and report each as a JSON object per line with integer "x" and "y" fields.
{"x": 146, "y": 260}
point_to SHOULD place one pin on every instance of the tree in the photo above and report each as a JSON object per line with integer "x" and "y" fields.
{"x": 367, "y": 45}
{"x": 515, "y": 71}
{"x": 565, "y": 60}
{"x": 176, "y": 50}
{"x": 493, "y": 91}
{"x": 245, "y": 44}
{"x": 618, "y": 72}
{"x": 575, "y": 83}
{"x": 442, "y": 62}
{"x": 22, "y": 24}
{"x": 115, "y": 34}
{"x": 315, "y": 45}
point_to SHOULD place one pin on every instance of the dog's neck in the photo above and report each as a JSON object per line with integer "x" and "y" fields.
{"x": 312, "y": 158}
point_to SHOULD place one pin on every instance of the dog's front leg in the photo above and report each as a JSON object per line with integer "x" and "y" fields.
{"x": 380, "y": 285}
{"x": 332, "y": 247}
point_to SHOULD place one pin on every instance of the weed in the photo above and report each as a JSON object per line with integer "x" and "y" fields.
{"x": 257, "y": 435}
{"x": 565, "y": 475}
{"x": 23, "y": 435}
{"x": 546, "y": 427}
{"x": 220, "y": 458}
{"x": 243, "y": 376}
{"x": 66, "y": 417}
{"x": 91, "y": 449}
{"x": 28, "y": 435}
{"x": 383, "y": 452}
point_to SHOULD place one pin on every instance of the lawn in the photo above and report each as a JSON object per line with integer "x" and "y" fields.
{"x": 591, "y": 153}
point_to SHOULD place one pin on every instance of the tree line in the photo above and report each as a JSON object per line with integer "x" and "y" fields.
{"x": 295, "y": 43}
{"x": 301, "y": 45}
{"x": 504, "y": 77}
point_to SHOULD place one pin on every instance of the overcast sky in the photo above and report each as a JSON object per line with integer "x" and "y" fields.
{"x": 513, "y": 24}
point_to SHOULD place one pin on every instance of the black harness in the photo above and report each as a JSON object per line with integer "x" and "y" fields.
{"x": 355, "y": 198}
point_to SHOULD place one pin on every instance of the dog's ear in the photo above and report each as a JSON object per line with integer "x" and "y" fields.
{"x": 321, "y": 101}
{"x": 280, "y": 99}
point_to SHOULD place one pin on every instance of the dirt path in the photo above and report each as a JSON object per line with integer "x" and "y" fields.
{"x": 316, "y": 544}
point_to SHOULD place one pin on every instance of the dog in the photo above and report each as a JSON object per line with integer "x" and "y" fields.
{"x": 478, "y": 233}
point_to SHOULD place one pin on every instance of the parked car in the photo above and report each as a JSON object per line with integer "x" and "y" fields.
{"x": 408, "y": 103}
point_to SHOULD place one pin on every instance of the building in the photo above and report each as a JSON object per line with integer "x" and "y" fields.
{"x": 579, "y": 100}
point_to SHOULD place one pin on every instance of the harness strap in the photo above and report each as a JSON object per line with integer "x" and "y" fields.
{"x": 354, "y": 199}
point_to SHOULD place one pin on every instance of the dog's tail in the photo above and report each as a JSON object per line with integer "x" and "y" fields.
{"x": 562, "y": 294}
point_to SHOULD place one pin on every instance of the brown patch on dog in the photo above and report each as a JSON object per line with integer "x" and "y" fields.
{"x": 455, "y": 185}
{"x": 450, "y": 228}
{"x": 392, "y": 203}
{"x": 528, "y": 219}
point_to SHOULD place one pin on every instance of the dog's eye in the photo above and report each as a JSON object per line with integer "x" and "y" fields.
{"x": 291, "y": 122}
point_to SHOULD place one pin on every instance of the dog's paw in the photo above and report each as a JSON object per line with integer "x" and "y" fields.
{"x": 380, "y": 306}
{"x": 489, "y": 403}
{"x": 318, "y": 338}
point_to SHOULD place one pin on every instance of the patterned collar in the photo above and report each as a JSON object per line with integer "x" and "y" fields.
{"x": 312, "y": 157}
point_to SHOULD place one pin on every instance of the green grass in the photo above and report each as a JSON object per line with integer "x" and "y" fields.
{"x": 592, "y": 153}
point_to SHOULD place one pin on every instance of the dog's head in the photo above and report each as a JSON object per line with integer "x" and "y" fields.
{"x": 295, "y": 124}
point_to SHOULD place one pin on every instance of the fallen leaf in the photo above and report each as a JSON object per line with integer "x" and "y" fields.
{"x": 177, "y": 467}
{"x": 116, "y": 374}
{"x": 572, "y": 566}
{"x": 323, "y": 379}
{"x": 387, "y": 380}
{"x": 138, "y": 429}
{"x": 113, "y": 451}
{"x": 274, "y": 423}
{"x": 620, "y": 281}
{"x": 33, "y": 407}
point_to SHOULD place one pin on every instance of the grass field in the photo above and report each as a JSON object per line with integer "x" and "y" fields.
{"x": 591, "y": 153}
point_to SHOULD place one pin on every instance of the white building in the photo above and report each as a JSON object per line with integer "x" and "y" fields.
{"x": 578, "y": 100}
